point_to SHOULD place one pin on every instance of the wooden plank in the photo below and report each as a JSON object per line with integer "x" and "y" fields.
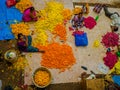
{"x": 93, "y": 4}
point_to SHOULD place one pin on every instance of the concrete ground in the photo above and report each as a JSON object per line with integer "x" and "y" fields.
{"x": 88, "y": 56}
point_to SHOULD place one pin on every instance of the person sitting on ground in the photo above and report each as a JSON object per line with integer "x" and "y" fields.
{"x": 24, "y": 44}
{"x": 115, "y": 17}
{"x": 30, "y": 14}
{"x": 11, "y": 3}
{"x": 77, "y": 20}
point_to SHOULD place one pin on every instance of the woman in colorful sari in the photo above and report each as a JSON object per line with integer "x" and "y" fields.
{"x": 24, "y": 44}
{"x": 11, "y": 3}
{"x": 78, "y": 20}
{"x": 30, "y": 15}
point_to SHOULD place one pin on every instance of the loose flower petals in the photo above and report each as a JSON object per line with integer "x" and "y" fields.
{"x": 67, "y": 14}
{"x": 50, "y": 17}
{"x": 60, "y": 30}
{"x": 57, "y": 56}
{"x": 20, "y": 28}
{"x": 42, "y": 78}
{"x": 110, "y": 59}
{"x": 89, "y": 22}
{"x": 23, "y": 4}
{"x": 110, "y": 39}
{"x": 20, "y": 64}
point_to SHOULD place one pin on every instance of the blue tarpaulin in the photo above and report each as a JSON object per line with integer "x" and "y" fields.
{"x": 8, "y": 16}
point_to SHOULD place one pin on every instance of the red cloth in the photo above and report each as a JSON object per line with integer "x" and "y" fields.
{"x": 89, "y": 22}
{"x": 10, "y": 3}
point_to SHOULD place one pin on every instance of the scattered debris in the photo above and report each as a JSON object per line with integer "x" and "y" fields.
{"x": 83, "y": 67}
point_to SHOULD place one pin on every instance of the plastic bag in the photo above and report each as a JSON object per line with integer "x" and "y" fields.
{"x": 81, "y": 39}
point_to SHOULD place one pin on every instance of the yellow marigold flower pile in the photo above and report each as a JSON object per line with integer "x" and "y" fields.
{"x": 20, "y": 64}
{"x": 23, "y": 4}
{"x": 57, "y": 56}
{"x": 51, "y": 16}
{"x": 67, "y": 14}
{"x": 41, "y": 78}
{"x": 20, "y": 28}
{"x": 42, "y": 40}
{"x": 60, "y": 30}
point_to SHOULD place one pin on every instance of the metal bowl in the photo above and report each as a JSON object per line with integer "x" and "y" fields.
{"x": 42, "y": 69}
{"x": 11, "y": 55}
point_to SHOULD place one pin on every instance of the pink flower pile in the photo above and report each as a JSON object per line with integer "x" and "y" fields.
{"x": 89, "y": 22}
{"x": 110, "y": 39}
{"x": 110, "y": 59}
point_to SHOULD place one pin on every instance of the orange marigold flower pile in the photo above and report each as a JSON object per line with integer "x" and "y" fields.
{"x": 60, "y": 30}
{"x": 59, "y": 56}
{"x": 23, "y": 4}
{"x": 42, "y": 78}
{"x": 67, "y": 14}
{"x": 20, "y": 28}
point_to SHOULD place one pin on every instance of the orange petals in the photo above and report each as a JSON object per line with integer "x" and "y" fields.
{"x": 60, "y": 30}
{"x": 57, "y": 56}
{"x": 42, "y": 78}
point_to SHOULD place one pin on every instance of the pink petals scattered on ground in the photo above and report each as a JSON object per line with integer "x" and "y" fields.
{"x": 110, "y": 39}
{"x": 110, "y": 59}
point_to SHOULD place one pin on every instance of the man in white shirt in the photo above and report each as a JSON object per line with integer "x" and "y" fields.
{"x": 115, "y": 17}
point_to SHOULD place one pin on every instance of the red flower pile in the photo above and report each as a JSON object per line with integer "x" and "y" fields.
{"x": 89, "y": 22}
{"x": 110, "y": 59}
{"x": 110, "y": 39}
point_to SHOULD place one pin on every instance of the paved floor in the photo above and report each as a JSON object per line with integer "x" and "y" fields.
{"x": 85, "y": 56}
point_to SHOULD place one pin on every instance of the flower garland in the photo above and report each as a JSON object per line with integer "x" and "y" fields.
{"x": 57, "y": 56}
{"x": 20, "y": 28}
{"x": 23, "y": 4}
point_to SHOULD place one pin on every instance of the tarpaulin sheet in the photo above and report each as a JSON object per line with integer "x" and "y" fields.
{"x": 8, "y": 16}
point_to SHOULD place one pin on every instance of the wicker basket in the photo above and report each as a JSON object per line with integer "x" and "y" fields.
{"x": 42, "y": 69}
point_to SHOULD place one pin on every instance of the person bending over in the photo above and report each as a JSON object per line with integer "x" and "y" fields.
{"x": 24, "y": 44}
{"x": 30, "y": 14}
{"x": 115, "y": 17}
